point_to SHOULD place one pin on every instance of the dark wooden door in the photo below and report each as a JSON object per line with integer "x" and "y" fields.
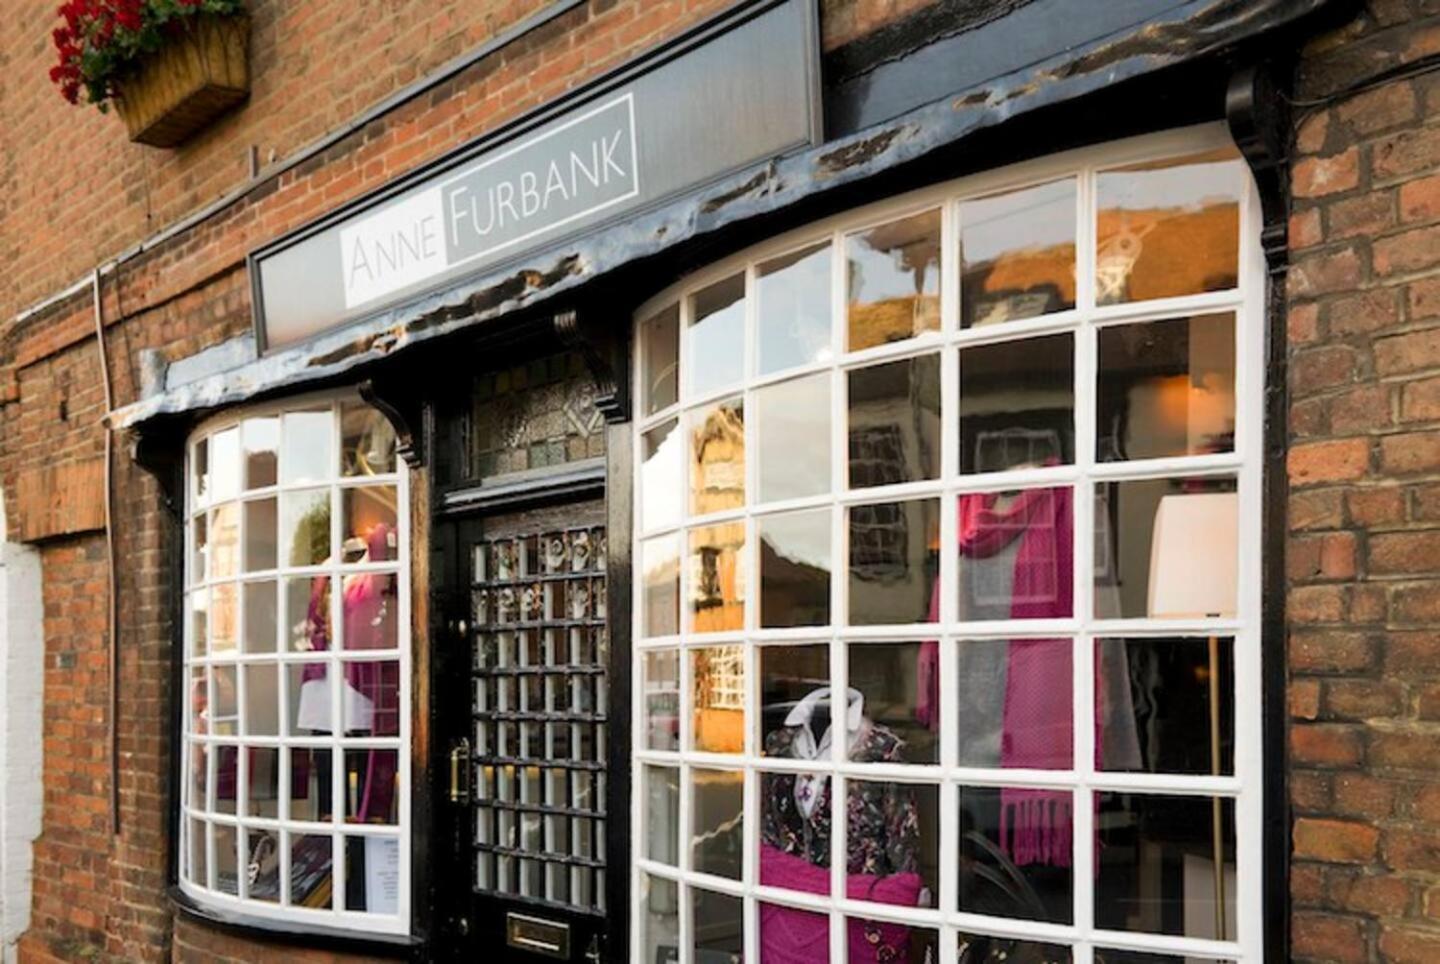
{"x": 527, "y": 730}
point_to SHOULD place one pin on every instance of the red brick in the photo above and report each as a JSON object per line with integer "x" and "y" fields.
{"x": 1420, "y": 400}
{"x": 1335, "y": 841}
{"x": 1363, "y": 312}
{"x": 1360, "y": 795}
{"x": 1304, "y": 699}
{"x": 1339, "y": 460}
{"x": 1406, "y": 849}
{"x": 1381, "y": 895}
{"x": 1378, "y": 109}
{"x": 1328, "y": 556}
{"x": 1322, "y": 369}
{"x": 1326, "y": 744}
{"x": 1410, "y": 352}
{"x": 1325, "y": 273}
{"x": 1410, "y": 251}
{"x": 1416, "y": 603}
{"x": 1363, "y": 699}
{"x": 1403, "y": 944}
{"x": 1406, "y": 152}
{"x": 1368, "y": 408}
{"x": 1331, "y": 651}
{"x": 1312, "y": 133}
{"x": 1360, "y": 216}
{"x": 1319, "y": 176}
{"x": 1420, "y": 199}
{"x": 1329, "y": 937}
{"x": 1410, "y": 453}
{"x": 1376, "y": 506}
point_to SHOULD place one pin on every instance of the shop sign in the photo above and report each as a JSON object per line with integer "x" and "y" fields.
{"x": 741, "y": 95}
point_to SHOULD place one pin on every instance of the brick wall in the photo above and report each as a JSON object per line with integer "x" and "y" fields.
{"x": 74, "y": 194}
{"x": 1364, "y": 541}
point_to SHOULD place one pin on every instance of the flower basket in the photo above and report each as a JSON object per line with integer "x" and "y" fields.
{"x": 199, "y": 74}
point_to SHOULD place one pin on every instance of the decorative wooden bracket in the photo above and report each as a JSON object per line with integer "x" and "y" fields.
{"x": 159, "y": 449}
{"x": 398, "y": 396}
{"x": 1258, "y": 113}
{"x": 605, "y": 350}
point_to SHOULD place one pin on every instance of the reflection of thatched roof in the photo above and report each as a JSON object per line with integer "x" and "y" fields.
{"x": 724, "y": 423}
{"x": 782, "y": 572}
{"x": 1182, "y": 251}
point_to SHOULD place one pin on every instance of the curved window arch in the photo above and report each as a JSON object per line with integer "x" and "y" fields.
{"x": 296, "y": 716}
{"x": 986, "y": 459}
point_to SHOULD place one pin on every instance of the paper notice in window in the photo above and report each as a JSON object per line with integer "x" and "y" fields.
{"x": 382, "y": 875}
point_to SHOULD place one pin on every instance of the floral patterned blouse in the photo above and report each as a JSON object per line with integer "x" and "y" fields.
{"x": 884, "y": 827}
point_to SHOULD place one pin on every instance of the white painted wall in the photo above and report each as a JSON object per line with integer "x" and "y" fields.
{"x": 22, "y": 657}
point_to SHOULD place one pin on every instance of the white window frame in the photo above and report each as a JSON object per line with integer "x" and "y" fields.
{"x": 281, "y": 911}
{"x": 1244, "y": 463}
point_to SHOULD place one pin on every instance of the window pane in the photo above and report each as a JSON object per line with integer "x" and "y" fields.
{"x": 200, "y": 622}
{"x": 372, "y": 611}
{"x": 1161, "y": 861}
{"x": 894, "y": 562}
{"x": 717, "y": 577}
{"x": 224, "y": 618}
{"x": 893, "y": 281}
{"x": 660, "y": 479}
{"x": 792, "y": 436}
{"x": 369, "y": 524}
{"x": 372, "y": 786}
{"x": 659, "y": 919}
{"x": 795, "y": 568}
{"x": 793, "y": 310}
{"x": 1166, "y": 548}
{"x": 660, "y": 343}
{"x": 262, "y": 699}
{"x": 200, "y": 548}
{"x": 795, "y": 815}
{"x": 367, "y": 441}
{"x": 1106, "y": 955}
{"x": 1016, "y": 554}
{"x": 263, "y": 866}
{"x": 225, "y": 541}
{"x": 903, "y": 715}
{"x": 1017, "y": 254}
{"x": 200, "y": 473}
{"x": 227, "y": 777}
{"x": 371, "y": 697}
{"x": 716, "y": 826}
{"x": 788, "y": 674}
{"x": 1017, "y": 404}
{"x": 717, "y": 336}
{"x": 307, "y": 440}
{"x": 262, "y": 798}
{"x": 310, "y": 788}
{"x": 718, "y": 725}
{"x": 1168, "y": 227}
{"x": 305, "y": 527}
{"x": 262, "y": 439}
{"x": 660, "y": 591}
{"x": 717, "y": 927}
{"x": 982, "y": 947}
{"x": 894, "y": 422}
{"x": 1015, "y": 706}
{"x": 1016, "y": 854}
{"x": 195, "y": 841}
{"x": 662, "y": 700}
{"x": 662, "y": 814}
{"x": 224, "y": 465}
{"x": 312, "y": 710}
{"x": 227, "y": 859}
{"x": 307, "y": 613}
{"x": 717, "y": 457}
{"x": 875, "y": 940}
{"x": 1166, "y": 388}
{"x": 260, "y": 534}
{"x": 1165, "y": 705}
{"x": 894, "y": 835}
{"x": 311, "y": 870}
{"x": 792, "y": 934}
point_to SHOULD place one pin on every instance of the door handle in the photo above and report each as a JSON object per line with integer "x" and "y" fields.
{"x": 592, "y": 953}
{"x": 460, "y": 772}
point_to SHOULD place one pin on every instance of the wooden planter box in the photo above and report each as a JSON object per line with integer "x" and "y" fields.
{"x": 198, "y": 75}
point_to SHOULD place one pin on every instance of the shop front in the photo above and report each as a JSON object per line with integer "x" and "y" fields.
{"x": 735, "y": 514}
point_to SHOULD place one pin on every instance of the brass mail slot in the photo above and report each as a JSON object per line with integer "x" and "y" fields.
{"x": 547, "y": 937}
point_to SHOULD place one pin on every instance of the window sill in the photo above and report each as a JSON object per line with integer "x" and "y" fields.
{"x": 396, "y": 947}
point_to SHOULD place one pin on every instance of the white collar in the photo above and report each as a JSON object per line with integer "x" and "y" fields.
{"x": 804, "y": 711}
{"x": 808, "y": 786}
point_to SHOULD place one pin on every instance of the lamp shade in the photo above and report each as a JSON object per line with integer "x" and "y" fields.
{"x": 1194, "y": 556}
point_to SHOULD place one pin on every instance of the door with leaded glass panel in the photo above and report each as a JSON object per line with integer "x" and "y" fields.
{"x": 528, "y": 775}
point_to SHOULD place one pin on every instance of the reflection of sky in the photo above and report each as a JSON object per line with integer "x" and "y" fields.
{"x": 794, "y": 438}
{"x": 794, "y": 312}
{"x": 877, "y": 275}
{"x": 661, "y": 487}
{"x": 803, "y": 537}
{"x": 717, "y": 348}
{"x": 1190, "y": 186}
{"x": 1037, "y": 217}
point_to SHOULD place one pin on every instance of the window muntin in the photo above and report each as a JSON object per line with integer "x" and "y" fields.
{"x": 1017, "y": 431}
{"x": 295, "y": 786}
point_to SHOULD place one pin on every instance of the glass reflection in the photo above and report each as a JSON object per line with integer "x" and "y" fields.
{"x": 1107, "y": 955}
{"x": 200, "y": 472}
{"x": 718, "y": 693}
{"x": 792, "y": 934}
{"x": 659, "y": 919}
{"x": 261, "y": 439}
{"x": 792, "y": 436}
{"x": 224, "y": 475}
{"x": 224, "y": 618}
{"x": 1017, "y": 554}
{"x": 795, "y": 568}
{"x": 662, "y": 699}
{"x": 893, "y": 838}
{"x": 717, "y": 578}
{"x": 893, "y": 281}
{"x": 371, "y": 783}
{"x": 307, "y": 614}
{"x": 874, "y": 940}
{"x": 894, "y": 422}
{"x": 1016, "y": 855}
{"x": 306, "y": 447}
{"x": 263, "y": 866}
{"x": 1017, "y": 254}
{"x": 311, "y": 869}
{"x": 1165, "y": 864}
{"x": 660, "y": 481}
{"x": 225, "y": 541}
{"x": 199, "y": 548}
{"x": 1015, "y": 706}
{"x": 795, "y": 815}
{"x": 1165, "y": 705}
{"x": 717, "y": 457}
{"x": 310, "y": 789}
{"x": 662, "y": 814}
{"x": 903, "y": 717}
{"x": 1169, "y": 227}
{"x": 1166, "y": 388}
{"x": 197, "y": 845}
{"x": 793, "y": 309}
{"x": 262, "y": 699}
{"x": 1166, "y": 548}
{"x": 369, "y": 533}
{"x": 787, "y": 675}
{"x": 305, "y": 527}
{"x": 260, "y": 535}
{"x": 985, "y": 949}
{"x": 1017, "y": 404}
{"x": 717, "y": 927}
{"x": 717, "y": 826}
{"x": 227, "y": 778}
{"x": 372, "y": 611}
{"x": 370, "y": 702}
{"x": 716, "y": 337}
{"x": 367, "y": 441}
{"x": 660, "y": 346}
{"x": 262, "y": 794}
{"x": 660, "y": 587}
{"x": 227, "y": 859}
{"x": 894, "y": 562}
